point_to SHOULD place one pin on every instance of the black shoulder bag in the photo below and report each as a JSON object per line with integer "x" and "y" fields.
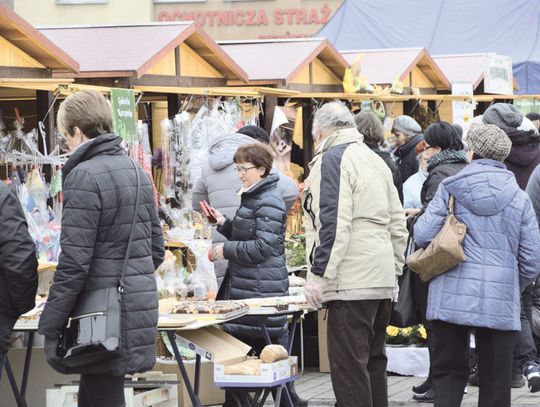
{"x": 92, "y": 333}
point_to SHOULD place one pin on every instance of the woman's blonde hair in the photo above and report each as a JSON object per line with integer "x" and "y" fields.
{"x": 89, "y": 111}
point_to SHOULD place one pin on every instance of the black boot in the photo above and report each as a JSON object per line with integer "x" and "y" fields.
{"x": 427, "y": 397}
{"x": 423, "y": 387}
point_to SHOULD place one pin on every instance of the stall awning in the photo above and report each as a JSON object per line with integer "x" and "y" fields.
{"x": 217, "y": 91}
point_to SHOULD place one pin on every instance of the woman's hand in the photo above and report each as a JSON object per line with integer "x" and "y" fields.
{"x": 220, "y": 219}
{"x": 217, "y": 252}
{"x": 412, "y": 212}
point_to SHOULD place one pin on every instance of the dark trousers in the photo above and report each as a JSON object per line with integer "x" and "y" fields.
{"x": 101, "y": 391}
{"x": 525, "y": 348}
{"x": 356, "y": 351}
{"x": 421, "y": 290}
{"x": 451, "y": 364}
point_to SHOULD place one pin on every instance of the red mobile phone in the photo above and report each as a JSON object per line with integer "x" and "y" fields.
{"x": 206, "y": 210}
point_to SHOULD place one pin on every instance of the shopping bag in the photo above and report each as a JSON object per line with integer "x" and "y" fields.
{"x": 404, "y": 311}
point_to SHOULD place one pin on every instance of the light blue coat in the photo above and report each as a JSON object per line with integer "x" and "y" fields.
{"x": 502, "y": 246}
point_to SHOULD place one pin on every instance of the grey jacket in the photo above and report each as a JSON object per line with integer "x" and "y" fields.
{"x": 99, "y": 185}
{"x": 219, "y": 185}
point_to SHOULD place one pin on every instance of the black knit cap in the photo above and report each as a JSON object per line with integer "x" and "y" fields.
{"x": 443, "y": 135}
{"x": 255, "y": 132}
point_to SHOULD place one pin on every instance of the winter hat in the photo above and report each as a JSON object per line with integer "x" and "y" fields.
{"x": 255, "y": 132}
{"x": 489, "y": 141}
{"x": 503, "y": 115}
{"x": 407, "y": 125}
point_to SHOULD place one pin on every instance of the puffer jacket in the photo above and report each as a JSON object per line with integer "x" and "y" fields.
{"x": 256, "y": 253}
{"x": 99, "y": 184}
{"x": 355, "y": 224}
{"x": 219, "y": 183}
{"x": 406, "y": 157}
{"x": 524, "y": 156}
{"x": 18, "y": 264}
{"x": 387, "y": 158}
{"x": 502, "y": 247}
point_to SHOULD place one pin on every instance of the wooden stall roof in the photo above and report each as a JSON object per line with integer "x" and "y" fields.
{"x": 25, "y": 37}
{"x": 132, "y": 50}
{"x": 280, "y": 61}
{"x": 467, "y": 68}
{"x": 382, "y": 66}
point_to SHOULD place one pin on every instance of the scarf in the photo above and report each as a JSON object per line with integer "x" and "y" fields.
{"x": 447, "y": 157}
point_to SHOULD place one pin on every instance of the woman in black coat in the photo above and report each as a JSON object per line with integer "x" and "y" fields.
{"x": 100, "y": 186}
{"x": 445, "y": 157}
{"x": 255, "y": 250}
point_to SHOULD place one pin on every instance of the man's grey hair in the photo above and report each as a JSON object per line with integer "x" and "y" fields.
{"x": 333, "y": 116}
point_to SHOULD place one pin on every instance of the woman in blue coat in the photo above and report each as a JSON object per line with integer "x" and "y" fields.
{"x": 502, "y": 247}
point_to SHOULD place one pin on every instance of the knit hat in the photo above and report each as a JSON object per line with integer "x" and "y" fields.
{"x": 503, "y": 115}
{"x": 407, "y": 125}
{"x": 255, "y": 132}
{"x": 489, "y": 141}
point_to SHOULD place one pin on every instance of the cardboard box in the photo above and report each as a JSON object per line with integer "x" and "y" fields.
{"x": 162, "y": 396}
{"x": 324, "y": 364}
{"x": 270, "y": 373}
{"x": 214, "y": 345}
{"x": 208, "y": 393}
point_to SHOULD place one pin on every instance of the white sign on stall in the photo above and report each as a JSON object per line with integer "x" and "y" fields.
{"x": 498, "y": 78}
{"x": 462, "y": 111}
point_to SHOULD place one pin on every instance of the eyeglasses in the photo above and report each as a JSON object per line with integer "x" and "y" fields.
{"x": 243, "y": 170}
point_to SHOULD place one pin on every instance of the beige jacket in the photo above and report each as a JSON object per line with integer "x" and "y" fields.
{"x": 355, "y": 224}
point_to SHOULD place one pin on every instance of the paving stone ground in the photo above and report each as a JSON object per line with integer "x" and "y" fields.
{"x": 317, "y": 388}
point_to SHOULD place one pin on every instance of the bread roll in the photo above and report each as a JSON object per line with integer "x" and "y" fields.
{"x": 273, "y": 353}
{"x": 251, "y": 367}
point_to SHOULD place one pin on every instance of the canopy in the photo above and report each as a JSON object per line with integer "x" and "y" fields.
{"x": 507, "y": 27}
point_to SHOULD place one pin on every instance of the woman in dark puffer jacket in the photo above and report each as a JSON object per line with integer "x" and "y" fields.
{"x": 99, "y": 185}
{"x": 445, "y": 157}
{"x": 255, "y": 249}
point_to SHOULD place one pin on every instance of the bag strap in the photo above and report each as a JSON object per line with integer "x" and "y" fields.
{"x": 134, "y": 218}
{"x": 451, "y": 205}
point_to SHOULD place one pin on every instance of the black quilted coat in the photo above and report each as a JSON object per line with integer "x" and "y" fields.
{"x": 99, "y": 185}
{"x": 256, "y": 254}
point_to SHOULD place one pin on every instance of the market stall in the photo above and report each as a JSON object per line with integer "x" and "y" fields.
{"x": 401, "y": 71}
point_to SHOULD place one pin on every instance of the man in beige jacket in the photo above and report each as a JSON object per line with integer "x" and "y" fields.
{"x": 355, "y": 239}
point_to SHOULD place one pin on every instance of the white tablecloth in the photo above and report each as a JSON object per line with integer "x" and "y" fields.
{"x": 408, "y": 361}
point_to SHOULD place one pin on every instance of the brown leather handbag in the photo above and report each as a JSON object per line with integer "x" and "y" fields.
{"x": 444, "y": 251}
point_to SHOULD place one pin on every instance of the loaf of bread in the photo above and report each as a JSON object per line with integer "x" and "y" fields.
{"x": 273, "y": 353}
{"x": 251, "y": 367}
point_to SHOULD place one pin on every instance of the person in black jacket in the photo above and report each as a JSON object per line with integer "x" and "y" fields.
{"x": 255, "y": 248}
{"x": 372, "y": 129}
{"x": 407, "y": 132}
{"x": 445, "y": 157}
{"x": 18, "y": 266}
{"x": 99, "y": 185}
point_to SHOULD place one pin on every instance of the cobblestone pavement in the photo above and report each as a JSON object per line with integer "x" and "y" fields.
{"x": 317, "y": 388}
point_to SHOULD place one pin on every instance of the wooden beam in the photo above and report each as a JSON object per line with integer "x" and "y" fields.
{"x": 307, "y": 122}
{"x": 270, "y": 103}
{"x": 165, "y": 80}
{"x": 173, "y": 104}
{"x": 44, "y": 100}
{"x": 17, "y": 72}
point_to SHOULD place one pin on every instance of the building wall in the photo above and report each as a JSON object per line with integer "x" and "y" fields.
{"x": 222, "y": 19}
{"x": 226, "y": 19}
{"x": 58, "y": 12}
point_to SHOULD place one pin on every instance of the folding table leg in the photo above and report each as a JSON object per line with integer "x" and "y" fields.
{"x": 192, "y": 395}
{"x": 21, "y": 402}
{"x": 27, "y": 360}
{"x": 277, "y": 399}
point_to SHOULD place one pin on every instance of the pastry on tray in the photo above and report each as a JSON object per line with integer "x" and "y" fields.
{"x": 207, "y": 307}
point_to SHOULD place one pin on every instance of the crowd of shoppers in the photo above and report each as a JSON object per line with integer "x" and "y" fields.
{"x": 356, "y": 233}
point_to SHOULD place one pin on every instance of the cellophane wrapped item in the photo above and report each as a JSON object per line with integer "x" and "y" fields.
{"x": 171, "y": 277}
